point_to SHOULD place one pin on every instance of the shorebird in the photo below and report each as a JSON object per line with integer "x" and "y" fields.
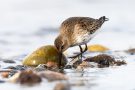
{"x": 77, "y": 31}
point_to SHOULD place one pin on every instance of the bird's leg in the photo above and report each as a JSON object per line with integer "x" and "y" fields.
{"x": 86, "y": 48}
{"x": 81, "y": 50}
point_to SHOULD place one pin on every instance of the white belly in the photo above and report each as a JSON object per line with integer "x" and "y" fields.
{"x": 82, "y": 39}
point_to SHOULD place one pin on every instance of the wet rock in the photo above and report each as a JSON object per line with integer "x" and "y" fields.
{"x": 14, "y": 69}
{"x": 11, "y": 73}
{"x": 1, "y": 81}
{"x": 45, "y": 55}
{"x": 104, "y": 60}
{"x": 131, "y": 51}
{"x": 5, "y": 70}
{"x": 68, "y": 67}
{"x": 62, "y": 86}
{"x": 5, "y": 74}
{"x": 9, "y": 61}
{"x": 41, "y": 67}
{"x": 77, "y": 63}
{"x": 83, "y": 65}
{"x": 50, "y": 64}
{"x": 20, "y": 67}
{"x": 119, "y": 63}
{"x": 10, "y": 67}
{"x": 25, "y": 77}
{"x": 44, "y": 67}
{"x": 52, "y": 76}
{"x": 97, "y": 48}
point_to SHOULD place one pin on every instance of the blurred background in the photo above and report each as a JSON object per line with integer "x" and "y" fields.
{"x": 28, "y": 24}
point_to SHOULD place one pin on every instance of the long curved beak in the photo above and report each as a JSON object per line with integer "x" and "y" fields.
{"x": 60, "y": 59}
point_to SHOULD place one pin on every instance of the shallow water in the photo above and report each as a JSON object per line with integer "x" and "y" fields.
{"x": 112, "y": 78}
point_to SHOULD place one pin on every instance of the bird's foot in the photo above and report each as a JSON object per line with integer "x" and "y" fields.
{"x": 79, "y": 55}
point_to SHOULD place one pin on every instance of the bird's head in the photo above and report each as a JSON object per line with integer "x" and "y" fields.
{"x": 103, "y": 19}
{"x": 61, "y": 43}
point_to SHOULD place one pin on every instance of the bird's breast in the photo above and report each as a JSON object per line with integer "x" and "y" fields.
{"x": 82, "y": 39}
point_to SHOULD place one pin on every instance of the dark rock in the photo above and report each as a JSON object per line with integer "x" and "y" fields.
{"x": 77, "y": 63}
{"x": 21, "y": 67}
{"x": 68, "y": 67}
{"x": 10, "y": 67}
{"x": 119, "y": 63}
{"x": 11, "y": 73}
{"x": 18, "y": 67}
{"x": 131, "y": 51}
{"x": 9, "y": 61}
{"x": 104, "y": 60}
{"x": 1, "y": 81}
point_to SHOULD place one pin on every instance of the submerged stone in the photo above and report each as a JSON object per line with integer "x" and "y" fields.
{"x": 25, "y": 77}
{"x": 44, "y": 55}
{"x": 104, "y": 60}
{"x": 9, "y": 61}
{"x": 131, "y": 51}
{"x": 97, "y": 48}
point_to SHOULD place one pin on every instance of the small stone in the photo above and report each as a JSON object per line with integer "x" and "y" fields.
{"x": 41, "y": 67}
{"x": 97, "y": 48}
{"x": 1, "y": 81}
{"x": 5, "y": 74}
{"x": 21, "y": 67}
{"x": 11, "y": 73}
{"x": 25, "y": 77}
{"x": 10, "y": 67}
{"x": 62, "y": 86}
{"x": 51, "y": 64}
{"x": 9, "y": 61}
{"x": 119, "y": 63}
{"x": 68, "y": 67}
{"x": 131, "y": 51}
{"x": 77, "y": 63}
{"x": 52, "y": 76}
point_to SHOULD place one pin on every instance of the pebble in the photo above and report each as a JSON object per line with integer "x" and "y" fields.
{"x": 52, "y": 76}
{"x": 13, "y": 72}
{"x": 26, "y": 77}
{"x": 5, "y": 74}
{"x": 18, "y": 67}
{"x": 41, "y": 67}
{"x": 68, "y": 67}
{"x": 10, "y": 67}
{"x": 62, "y": 86}
{"x": 21, "y": 67}
{"x": 9, "y": 61}
{"x": 1, "y": 81}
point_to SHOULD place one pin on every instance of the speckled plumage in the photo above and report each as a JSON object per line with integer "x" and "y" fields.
{"x": 78, "y": 31}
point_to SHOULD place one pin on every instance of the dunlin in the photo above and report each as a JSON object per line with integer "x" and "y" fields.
{"x": 77, "y": 31}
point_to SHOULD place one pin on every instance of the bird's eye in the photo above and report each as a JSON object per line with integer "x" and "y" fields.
{"x": 62, "y": 47}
